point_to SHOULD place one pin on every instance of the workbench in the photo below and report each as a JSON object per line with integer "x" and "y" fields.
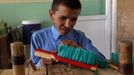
{"x": 63, "y": 70}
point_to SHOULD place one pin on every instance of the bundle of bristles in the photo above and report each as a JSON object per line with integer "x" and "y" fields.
{"x": 69, "y": 49}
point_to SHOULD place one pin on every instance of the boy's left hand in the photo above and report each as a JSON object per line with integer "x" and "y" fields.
{"x": 69, "y": 43}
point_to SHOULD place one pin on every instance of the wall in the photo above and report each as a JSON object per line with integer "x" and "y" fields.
{"x": 125, "y": 24}
{"x": 14, "y": 13}
{"x": 125, "y": 19}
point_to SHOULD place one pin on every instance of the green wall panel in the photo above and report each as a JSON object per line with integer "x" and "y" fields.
{"x": 93, "y": 7}
{"x": 14, "y": 13}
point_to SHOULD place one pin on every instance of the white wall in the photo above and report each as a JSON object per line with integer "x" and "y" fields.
{"x": 96, "y": 29}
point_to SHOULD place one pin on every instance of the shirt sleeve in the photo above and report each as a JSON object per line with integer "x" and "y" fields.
{"x": 87, "y": 44}
{"x": 34, "y": 46}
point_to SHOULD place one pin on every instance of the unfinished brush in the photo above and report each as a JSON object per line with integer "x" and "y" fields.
{"x": 76, "y": 58}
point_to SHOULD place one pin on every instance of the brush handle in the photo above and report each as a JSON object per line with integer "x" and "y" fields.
{"x": 44, "y": 54}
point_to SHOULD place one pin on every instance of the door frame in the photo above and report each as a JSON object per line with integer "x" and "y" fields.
{"x": 111, "y": 13}
{"x": 113, "y": 24}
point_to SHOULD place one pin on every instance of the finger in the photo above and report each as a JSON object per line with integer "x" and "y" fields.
{"x": 47, "y": 61}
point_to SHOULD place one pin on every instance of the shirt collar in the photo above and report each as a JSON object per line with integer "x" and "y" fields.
{"x": 55, "y": 33}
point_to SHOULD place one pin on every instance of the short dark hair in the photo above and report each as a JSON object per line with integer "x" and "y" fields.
{"x": 73, "y": 4}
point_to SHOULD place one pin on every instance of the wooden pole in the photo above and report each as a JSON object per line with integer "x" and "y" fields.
{"x": 125, "y": 57}
{"x": 18, "y": 58}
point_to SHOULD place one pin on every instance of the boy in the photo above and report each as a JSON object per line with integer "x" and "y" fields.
{"x": 64, "y": 14}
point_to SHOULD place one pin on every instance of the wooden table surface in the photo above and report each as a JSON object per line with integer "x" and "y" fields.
{"x": 63, "y": 70}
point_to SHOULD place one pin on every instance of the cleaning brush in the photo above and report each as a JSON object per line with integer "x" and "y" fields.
{"x": 71, "y": 55}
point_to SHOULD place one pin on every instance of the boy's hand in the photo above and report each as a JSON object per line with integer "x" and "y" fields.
{"x": 69, "y": 43}
{"x": 46, "y": 61}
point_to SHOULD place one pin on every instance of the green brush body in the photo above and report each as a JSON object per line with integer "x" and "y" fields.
{"x": 80, "y": 55}
{"x": 77, "y": 54}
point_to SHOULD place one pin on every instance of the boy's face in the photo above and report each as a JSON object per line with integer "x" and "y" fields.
{"x": 64, "y": 18}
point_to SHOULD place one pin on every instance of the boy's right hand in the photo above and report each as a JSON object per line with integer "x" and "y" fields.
{"x": 46, "y": 61}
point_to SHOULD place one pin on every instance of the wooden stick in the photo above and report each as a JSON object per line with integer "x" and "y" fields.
{"x": 32, "y": 65}
{"x": 113, "y": 66}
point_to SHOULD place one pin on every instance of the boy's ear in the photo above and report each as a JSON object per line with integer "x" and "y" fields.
{"x": 51, "y": 14}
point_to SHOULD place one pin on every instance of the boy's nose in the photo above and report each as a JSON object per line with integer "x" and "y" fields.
{"x": 68, "y": 23}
